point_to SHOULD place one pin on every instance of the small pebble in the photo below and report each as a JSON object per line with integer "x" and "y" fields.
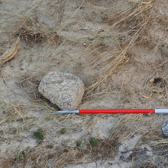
{"x": 165, "y": 128}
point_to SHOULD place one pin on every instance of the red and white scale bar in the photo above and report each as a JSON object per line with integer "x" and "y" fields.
{"x": 115, "y": 111}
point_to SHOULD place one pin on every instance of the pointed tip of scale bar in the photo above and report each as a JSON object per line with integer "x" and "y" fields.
{"x": 67, "y": 111}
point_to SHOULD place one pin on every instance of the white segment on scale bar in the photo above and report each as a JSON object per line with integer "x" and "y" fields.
{"x": 161, "y": 110}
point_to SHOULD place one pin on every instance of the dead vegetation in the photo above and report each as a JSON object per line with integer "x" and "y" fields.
{"x": 106, "y": 53}
{"x": 64, "y": 155}
{"x": 30, "y": 35}
{"x": 31, "y": 32}
{"x": 136, "y": 21}
{"x": 8, "y": 55}
{"x": 104, "y": 149}
{"x": 30, "y": 83}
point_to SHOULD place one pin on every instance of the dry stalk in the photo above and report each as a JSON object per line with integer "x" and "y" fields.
{"x": 8, "y": 55}
{"x": 122, "y": 59}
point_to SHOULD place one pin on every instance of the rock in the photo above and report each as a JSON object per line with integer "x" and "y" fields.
{"x": 87, "y": 165}
{"x": 102, "y": 127}
{"x": 63, "y": 89}
{"x": 165, "y": 128}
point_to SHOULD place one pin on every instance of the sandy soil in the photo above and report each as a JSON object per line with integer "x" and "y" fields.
{"x": 118, "y": 48}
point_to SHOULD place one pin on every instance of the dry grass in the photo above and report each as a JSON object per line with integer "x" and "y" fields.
{"x": 105, "y": 53}
{"x": 127, "y": 126}
{"x": 63, "y": 156}
{"x": 107, "y": 58}
{"x": 30, "y": 36}
{"x": 145, "y": 165}
{"x": 105, "y": 149}
{"x": 32, "y": 32}
{"x": 138, "y": 18}
{"x": 8, "y": 55}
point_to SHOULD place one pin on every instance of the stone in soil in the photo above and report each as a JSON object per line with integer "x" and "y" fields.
{"x": 63, "y": 89}
{"x": 165, "y": 128}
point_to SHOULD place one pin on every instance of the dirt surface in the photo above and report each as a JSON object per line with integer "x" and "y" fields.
{"x": 118, "y": 48}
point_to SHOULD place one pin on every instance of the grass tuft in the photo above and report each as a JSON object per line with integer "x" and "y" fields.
{"x": 19, "y": 157}
{"x": 93, "y": 141}
{"x": 63, "y": 131}
{"x": 79, "y": 143}
{"x": 36, "y": 165}
{"x": 39, "y": 135}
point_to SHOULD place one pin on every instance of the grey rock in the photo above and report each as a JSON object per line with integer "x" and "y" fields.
{"x": 165, "y": 128}
{"x": 129, "y": 145}
{"x": 121, "y": 160}
{"x": 102, "y": 127}
{"x": 87, "y": 165}
{"x": 63, "y": 89}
